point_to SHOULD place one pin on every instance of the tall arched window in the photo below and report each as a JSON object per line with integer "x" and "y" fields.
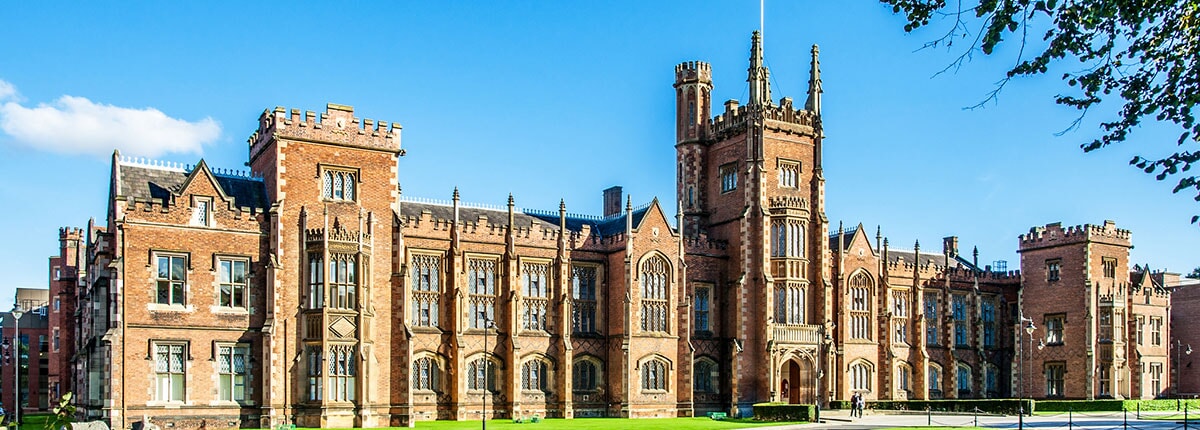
{"x": 426, "y": 374}
{"x": 705, "y": 375}
{"x": 534, "y": 375}
{"x": 654, "y": 375}
{"x": 654, "y": 294}
{"x": 860, "y": 306}
{"x": 860, "y": 376}
{"x": 964, "y": 381}
{"x": 934, "y": 379}
{"x": 481, "y": 375}
{"x": 587, "y": 373}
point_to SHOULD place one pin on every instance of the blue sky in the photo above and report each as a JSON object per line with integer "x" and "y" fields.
{"x": 551, "y": 100}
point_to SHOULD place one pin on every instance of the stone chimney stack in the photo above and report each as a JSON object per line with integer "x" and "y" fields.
{"x": 950, "y": 246}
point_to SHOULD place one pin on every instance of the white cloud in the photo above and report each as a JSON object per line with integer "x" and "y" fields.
{"x": 7, "y": 90}
{"x": 76, "y": 125}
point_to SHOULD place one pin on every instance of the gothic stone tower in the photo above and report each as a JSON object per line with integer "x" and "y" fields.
{"x": 332, "y": 185}
{"x": 751, "y": 176}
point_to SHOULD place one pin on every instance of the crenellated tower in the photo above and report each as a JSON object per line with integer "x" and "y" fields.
{"x": 750, "y": 176}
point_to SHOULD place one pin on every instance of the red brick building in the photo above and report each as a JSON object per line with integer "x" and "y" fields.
{"x": 30, "y": 352}
{"x": 1099, "y": 330}
{"x": 309, "y": 291}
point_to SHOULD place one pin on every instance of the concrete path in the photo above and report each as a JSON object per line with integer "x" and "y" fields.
{"x": 1113, "y": 420}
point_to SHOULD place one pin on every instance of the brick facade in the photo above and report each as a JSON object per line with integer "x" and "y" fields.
{"x": 309, "y": 291}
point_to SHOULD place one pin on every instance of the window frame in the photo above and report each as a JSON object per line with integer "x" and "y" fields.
{"x": 235, "y": 350}
{"x": 233, "y": 286}
{"x": 202, "y": 211}
{"x": 702, "y": 310}
{"x": 727, "y": 174}
{"x": 585, "y": 298}
{"x": 788, "y": 172}
{"x": 1053, "y": 269}
{"x": 425, "y": 289}
{"x": 332, "y": 184}
{"x": 1056, "y": 327}
{"x": 175, "y": 380}
{"x": 183, "y": 286}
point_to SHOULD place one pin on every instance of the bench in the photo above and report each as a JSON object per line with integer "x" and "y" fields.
{"x": 718, "y": 415}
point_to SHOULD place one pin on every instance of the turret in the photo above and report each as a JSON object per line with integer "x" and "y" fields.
{"x": 813, "y": 104}
{"x": 759, "y": 77}
{"x": 693, "y": 100}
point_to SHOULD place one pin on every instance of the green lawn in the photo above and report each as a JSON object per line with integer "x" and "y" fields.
{"x": 697, "y": 423}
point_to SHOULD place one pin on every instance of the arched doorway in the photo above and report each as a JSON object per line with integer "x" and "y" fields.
{"x": 797, "y": 381}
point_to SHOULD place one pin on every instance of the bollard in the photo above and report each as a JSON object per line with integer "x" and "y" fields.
{"x": 976, "y": 423}
{"x": 928, "y": 417}
{"x": 1139, "y": 412}
{"x": 1021, "y": 416}
{"x": 1185, "y": 414}
{"x": 1070, "y": 418}
{"x": 1124, "y": 417}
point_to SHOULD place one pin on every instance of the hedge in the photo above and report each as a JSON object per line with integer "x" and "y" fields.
{"x": 784, "y": 412}
{"x": 994, "y": 406}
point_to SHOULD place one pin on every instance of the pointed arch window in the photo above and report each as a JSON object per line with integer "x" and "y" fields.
{"x": 535, "y": 374}
{"x": 860, "y": 306}
{"x": 789, "y": 303}
{"x": 860, "y": 376}
{"x": 654, "y": 375}
{"x": 705, "y": 375}
{"x": 654, "y": 294}
{"x": 426, "y": 374}
{"x": 587, "y": 374}
{"x": 481, "y": 375}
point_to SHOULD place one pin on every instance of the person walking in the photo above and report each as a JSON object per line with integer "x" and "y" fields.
{"x": 854, "y": 404}
{"x": 860, "y": 403}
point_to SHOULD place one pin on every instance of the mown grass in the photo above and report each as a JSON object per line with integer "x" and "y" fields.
{"x": 697, "y": 423}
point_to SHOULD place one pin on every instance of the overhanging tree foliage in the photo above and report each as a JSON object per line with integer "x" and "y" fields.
{"x": 1143, "y": 51}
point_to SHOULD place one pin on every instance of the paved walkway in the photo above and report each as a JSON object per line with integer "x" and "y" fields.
{"x": 1111, "y": 420}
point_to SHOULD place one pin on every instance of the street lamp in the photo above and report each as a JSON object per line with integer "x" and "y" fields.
{"x": 16, "y": 313}
{"x": 1029, "y": 328}
{"x": 1179, "y": 347}
{"x": 487, "y": 364}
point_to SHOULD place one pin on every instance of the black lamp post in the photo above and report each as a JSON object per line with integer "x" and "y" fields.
{"x": 1029, "y": 329}
{"x": 1180, "y": 347}
{"x": 487, "y": 364}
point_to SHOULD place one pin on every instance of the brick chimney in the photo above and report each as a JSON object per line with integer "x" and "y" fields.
{"x": 612, "y": 201}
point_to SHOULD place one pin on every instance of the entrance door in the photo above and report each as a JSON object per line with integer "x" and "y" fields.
{"x": 797, "y": 382}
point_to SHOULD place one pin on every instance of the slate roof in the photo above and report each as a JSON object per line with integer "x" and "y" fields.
{"x": 150, "y": 183}
{"x": 604, "y": 226}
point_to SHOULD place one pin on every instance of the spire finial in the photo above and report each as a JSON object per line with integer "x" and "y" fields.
{"x": 759, "y": 77}
{"x": 510, "y": 200}
{"x": 456, "y": 194}
{"x": 814, "y": 84}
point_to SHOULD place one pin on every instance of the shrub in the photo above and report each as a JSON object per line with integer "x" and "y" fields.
{"x": 994, "y": 406}
{"x": 1079, "y": 405}
{"x": 784, "y": 412}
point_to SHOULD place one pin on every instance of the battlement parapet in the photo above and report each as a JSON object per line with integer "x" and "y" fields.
{"x": 336, "y": 235}
{"x": 734, "y": 119}
{"x": 337, "y": 125}
{"x": 1054, "y": 232}
{"x": 693, "y": 71}
{"x": 70, "y": 233}
{"x": 966, "y": 275}
{"x": 788, "y": 202}
{"x": 702, "y": 243}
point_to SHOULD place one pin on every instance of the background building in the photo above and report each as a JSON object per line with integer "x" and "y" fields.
{"x": 29, "y": 353}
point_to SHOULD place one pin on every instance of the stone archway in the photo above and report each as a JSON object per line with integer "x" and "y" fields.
{"x": 797, "y": 381}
